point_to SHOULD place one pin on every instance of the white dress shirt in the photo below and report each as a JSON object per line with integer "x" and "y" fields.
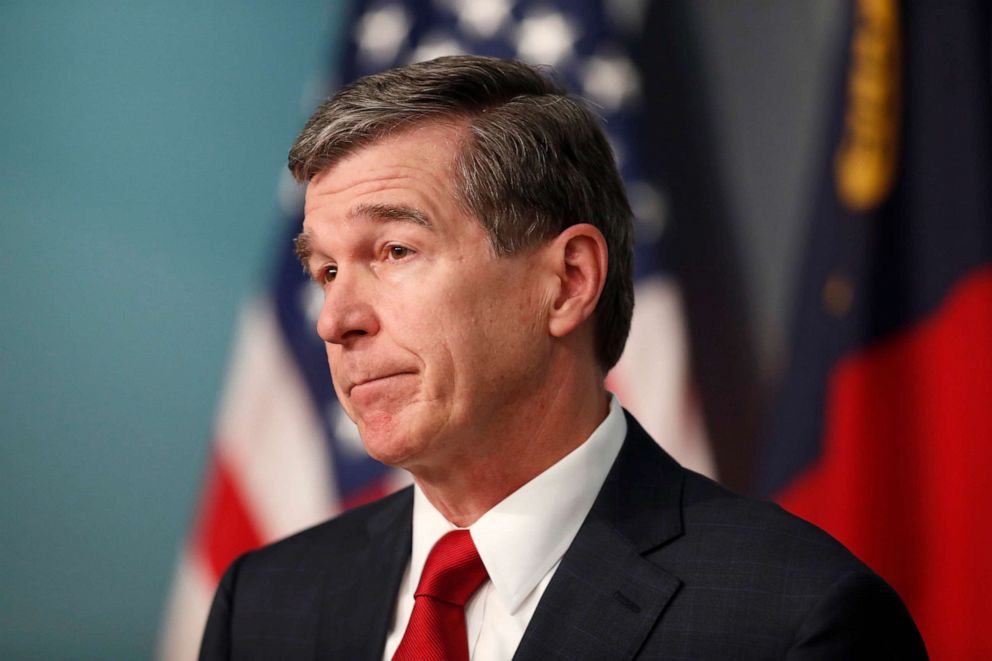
{"x": 521, "y": 542}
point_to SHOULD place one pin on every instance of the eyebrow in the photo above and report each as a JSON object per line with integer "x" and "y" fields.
{"x": 390, "y": 212}
{"x": 303, "y": 250}
{"x": 302, "y": 244}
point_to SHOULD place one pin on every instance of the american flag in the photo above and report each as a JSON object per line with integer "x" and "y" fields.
{"x": 284, "y": 455}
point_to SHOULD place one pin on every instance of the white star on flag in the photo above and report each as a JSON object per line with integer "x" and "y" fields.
{"x": 434, "y": 45}
{"x": 380, "y": 33}
{"x": 611, "y": 80}
{"x": 546, "y": 37}
{"x": 480, "y": 18}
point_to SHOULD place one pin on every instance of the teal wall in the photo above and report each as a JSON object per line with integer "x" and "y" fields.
{"x": 140, "y": 147}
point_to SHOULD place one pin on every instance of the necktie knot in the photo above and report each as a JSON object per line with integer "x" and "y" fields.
{"x": 436, "y": 630}
{"x": 453, "y": 571}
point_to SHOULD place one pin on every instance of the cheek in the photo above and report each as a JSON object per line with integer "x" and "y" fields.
{"x": 505, "y": 330}
{"x": 468, "y": 328}
{"x": 332, "y": 363}
{"x": 445, "y": 328}
{"x": 332, "y": 358}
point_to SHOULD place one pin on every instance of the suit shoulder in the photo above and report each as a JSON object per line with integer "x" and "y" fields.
{"x": 799, "y": 590}
{"x": 274, "y": 599}
{"x": 763, "y": 532}
{"x": 345, "y": 534}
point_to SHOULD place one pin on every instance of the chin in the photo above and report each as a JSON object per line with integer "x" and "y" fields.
{"x": 389, "y": 441}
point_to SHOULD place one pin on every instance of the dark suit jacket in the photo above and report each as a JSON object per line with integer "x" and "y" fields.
{"x": 668, "y": 565}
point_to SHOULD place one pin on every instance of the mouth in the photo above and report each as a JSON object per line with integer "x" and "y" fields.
{"x": 376, "y": 380}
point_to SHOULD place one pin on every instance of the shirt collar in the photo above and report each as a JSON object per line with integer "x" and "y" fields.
{"x": 522, "y": 537}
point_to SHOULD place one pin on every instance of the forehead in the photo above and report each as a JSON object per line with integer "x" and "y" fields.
{"x": 415, "y": 163}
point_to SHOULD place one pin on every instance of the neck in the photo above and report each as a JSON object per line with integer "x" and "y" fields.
{"x": 557, "y": 416}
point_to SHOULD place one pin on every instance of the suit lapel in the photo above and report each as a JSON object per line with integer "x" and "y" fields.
{"x": 605, "y": 597}
{"x": 355, "y": 621}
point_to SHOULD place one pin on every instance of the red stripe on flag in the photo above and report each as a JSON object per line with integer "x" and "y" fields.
{"x": 904, "y": 476}
{"x": 225, "y": 528}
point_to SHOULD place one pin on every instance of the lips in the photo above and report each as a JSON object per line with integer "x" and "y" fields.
{"x": 369, "y": 383}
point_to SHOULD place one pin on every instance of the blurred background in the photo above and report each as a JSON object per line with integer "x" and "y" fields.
{"x": 145, "y": 209}
{"x": 141, "y": 148}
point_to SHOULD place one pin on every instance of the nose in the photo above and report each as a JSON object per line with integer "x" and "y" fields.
{"x": 348, "y": 312}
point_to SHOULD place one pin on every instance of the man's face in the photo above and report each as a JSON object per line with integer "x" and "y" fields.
{"x": 431, "y": 339}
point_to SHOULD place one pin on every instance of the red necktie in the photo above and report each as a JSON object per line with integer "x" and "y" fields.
{"x": 452, "y": 573}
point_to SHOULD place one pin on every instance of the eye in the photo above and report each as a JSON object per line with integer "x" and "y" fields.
{"x": 397, "y": 252}
{"x": 327, "y": 274}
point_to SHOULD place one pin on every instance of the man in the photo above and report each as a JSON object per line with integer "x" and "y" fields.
{"x": 470, "y": 232}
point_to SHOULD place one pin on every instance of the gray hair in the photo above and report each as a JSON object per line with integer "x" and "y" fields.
{"x": 534, "y": 162}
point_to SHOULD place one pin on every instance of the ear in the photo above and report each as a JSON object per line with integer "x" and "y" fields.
{"x": 579, "y": 258}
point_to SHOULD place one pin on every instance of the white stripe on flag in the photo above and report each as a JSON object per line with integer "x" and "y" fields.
{"x": 269, "y": 433}
{"x": 270, "y": 437}
{"x": 653, "y": 379}
{"x": 186, "y": 612}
